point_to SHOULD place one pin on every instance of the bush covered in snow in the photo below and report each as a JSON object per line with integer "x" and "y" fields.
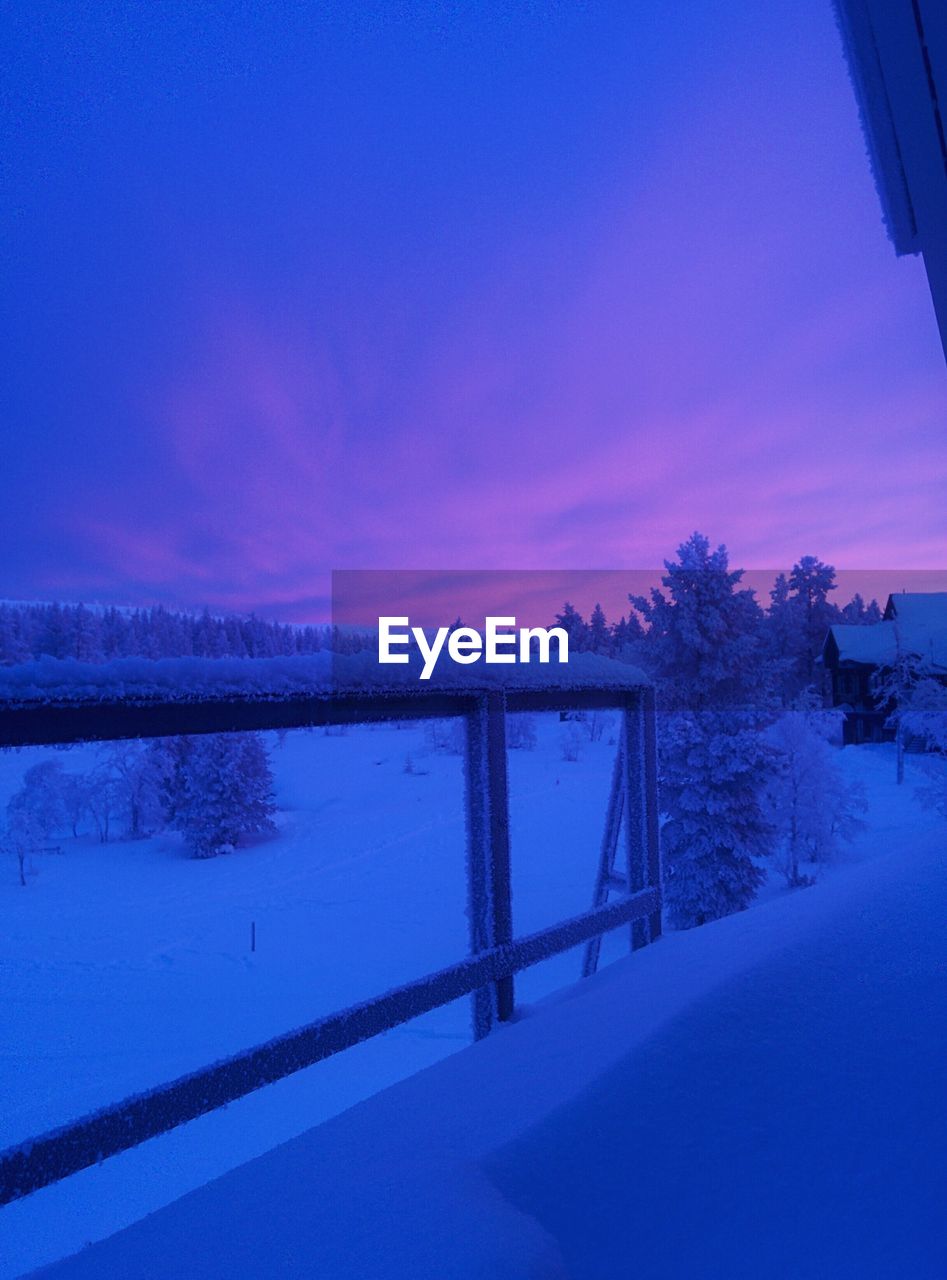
{"x": 812, "y": 806}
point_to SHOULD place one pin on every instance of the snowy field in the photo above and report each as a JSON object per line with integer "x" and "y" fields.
{"x": 129, "y": 963}
{"x": 126, "y": 964}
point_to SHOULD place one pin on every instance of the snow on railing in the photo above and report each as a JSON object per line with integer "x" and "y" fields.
{"x": 42, "y": 703}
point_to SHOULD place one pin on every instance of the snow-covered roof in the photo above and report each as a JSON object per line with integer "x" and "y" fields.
{"x": 322, "y": 675}
{"x": 874, "y": 645}
{"x": 915, "y": 624}
{"x": 918, "y": 608}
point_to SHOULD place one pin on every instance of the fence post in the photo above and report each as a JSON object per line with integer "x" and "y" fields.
{"x": 489, "y": 900}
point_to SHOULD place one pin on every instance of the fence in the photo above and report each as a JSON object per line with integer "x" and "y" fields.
{"x": 495, "y": 953}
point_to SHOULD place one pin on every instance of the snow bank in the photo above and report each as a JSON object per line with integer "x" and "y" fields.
{"x": 143, "y": 680}
{"x": 762, "y": 1096}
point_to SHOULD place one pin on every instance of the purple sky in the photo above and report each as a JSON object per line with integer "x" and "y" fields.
{"x": 449, "y": 286}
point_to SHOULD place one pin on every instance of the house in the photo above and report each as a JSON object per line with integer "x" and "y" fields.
{"x": 914, "y": 625}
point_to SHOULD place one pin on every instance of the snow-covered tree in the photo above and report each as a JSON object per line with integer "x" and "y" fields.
{"x": 716, "y": 832}
{"x": 225, "y": 792}
{"x": 35, "y": 812}
{"x": 521, "y": 732}
{"x": 40, "y": 799}
{"x": 812, "y": 805}
{"x": 627, "y": 635}
{"x": 926, "y": 719}
{"x": 570, "y": 740}
{"x": 913, "y": 700}
{"x": 102, "y": 797}
{"x": 785, "y": 638}
{"x": 704, "y": 641}
{"x": 857, "y": 613}
{"x": 575, "y": 627}
{"x": 139, "y": 776}
{"x": 705, "y": 648}
{"x": 809, "y": 584}
{"x": 599, "y": 632}
{"x": 21, "y": 836}
{"x": 75, "y": 796}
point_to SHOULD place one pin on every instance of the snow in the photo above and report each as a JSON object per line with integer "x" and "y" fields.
{"x": 779, "y": 1068}
{"x": 65, "y": 680}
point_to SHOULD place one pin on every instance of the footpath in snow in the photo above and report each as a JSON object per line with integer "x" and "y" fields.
{"x": 760, "y": 1097}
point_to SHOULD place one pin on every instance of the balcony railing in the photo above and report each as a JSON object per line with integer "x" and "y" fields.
{"x": 495, "y": 953}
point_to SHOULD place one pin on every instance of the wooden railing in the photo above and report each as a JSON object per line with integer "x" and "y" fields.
{"x": 495, "y": 953}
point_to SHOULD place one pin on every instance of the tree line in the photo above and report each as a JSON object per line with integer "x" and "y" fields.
{"x": 791, "y": 628}
{"x": 30, "y": 631}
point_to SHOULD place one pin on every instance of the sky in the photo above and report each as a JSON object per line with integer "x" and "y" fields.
{"x": 292, "y": 288}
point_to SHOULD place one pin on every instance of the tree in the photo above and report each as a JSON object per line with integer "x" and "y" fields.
{"x": 704, "y": 640}
{"x": 21, "y": 837}
{"x": 102, "y": 798}
{"x": 39, "y": 804}
{"x": 35, "y": 811}
{"x": 627, "y": 634}
{"x": 575, "y": 627}
{"x": 139, "y": 778}
{"x": 521, "y": 732}
{"x": 599, "y": 634}
{"x": 224, "y": 793}
{"x": 810, "y": 583}
{"x": 857, "y": 613}
{"x": 913, "y": 700}
{"x": 784, "y": 631}
{"x": 813, "y": 807}
{"x": 75, "y": 796}
{"x": 926, "y": 719}
{"x": 716, "y": 832}
{"x": 704, "y": 646}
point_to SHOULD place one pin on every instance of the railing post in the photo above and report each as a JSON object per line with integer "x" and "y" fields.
{"x": 489, "y": 900}
{"x": 653, "y": 833}
{"x": 636, "y": 806}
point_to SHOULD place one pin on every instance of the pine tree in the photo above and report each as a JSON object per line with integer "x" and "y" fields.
{"x": 575, "y": 627}
{"x": 716, "y": 831}
{"x": 784, "y": 632}
{"x": 224, "y": 792}
{"x": 704, "y": 640}
{"x": 705, "y": 647}
{"x": 627, "y": 634}
{"x": 810, "y": 583}
{"x": 599, "y": 634}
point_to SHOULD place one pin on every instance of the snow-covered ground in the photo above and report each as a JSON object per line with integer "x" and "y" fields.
{"x": 125, "y": 965}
